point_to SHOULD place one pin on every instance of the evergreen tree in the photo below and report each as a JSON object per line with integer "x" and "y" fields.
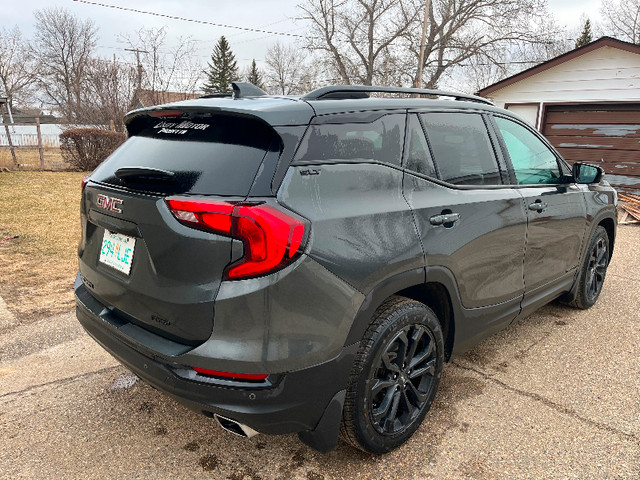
{"x": 223, "y": 69}
{"x": 254, "y": 76}
{"x": 586, "y": 37}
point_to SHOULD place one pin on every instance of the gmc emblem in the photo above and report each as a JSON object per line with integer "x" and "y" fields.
{"x": 109, "y": 203}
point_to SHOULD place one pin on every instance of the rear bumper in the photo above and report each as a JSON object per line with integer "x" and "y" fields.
{"x": 289, "y": 402}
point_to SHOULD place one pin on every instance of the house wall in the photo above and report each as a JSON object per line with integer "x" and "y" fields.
{"x": 603, "y": 75}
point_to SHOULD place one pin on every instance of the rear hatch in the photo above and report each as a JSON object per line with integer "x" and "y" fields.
{"x": 135, "y": 257}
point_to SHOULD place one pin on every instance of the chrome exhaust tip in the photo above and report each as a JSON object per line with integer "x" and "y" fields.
{"x": 235, "y": 427}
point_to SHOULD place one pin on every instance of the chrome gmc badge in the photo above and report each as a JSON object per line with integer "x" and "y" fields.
{"x": 109, "y": 203}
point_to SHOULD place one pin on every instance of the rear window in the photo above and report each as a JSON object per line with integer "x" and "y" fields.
{"x": 461, "y": 148}
{"x": 378, "y": 141}
{"x": 207, "y": 154}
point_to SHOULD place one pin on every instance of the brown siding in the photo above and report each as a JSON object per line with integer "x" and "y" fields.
{"x": 606, "y": 134}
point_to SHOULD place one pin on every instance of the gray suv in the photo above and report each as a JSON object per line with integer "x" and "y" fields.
{"x": 308, "y": 264}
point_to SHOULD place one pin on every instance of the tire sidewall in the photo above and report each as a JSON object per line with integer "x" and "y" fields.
{"x": 415, "y": 314}
{"x": 584, "y": 298}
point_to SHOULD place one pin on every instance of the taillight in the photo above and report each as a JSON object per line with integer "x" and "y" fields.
{"x": 85, "y": 180}
{"x": 272, "y": 239}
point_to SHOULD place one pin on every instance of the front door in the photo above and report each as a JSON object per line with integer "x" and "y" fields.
{"x": 556, "y": 210}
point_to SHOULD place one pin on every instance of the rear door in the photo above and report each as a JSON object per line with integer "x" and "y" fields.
{"x": 556, "y": 209}
{"x": 135, "y": 257}
{"x": 469, "y": 221}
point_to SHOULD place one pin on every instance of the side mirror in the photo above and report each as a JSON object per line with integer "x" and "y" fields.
{"x": 584, "y": 173}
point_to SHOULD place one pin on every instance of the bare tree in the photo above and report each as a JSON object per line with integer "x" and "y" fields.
{"x": 477, "y": 72}
{"x": 16, "y": 67}
{"x": 360, "y": 36}
{"x": 112, "y": 89}
{"x": 63, "y": 48}
{"x": 288, "y": 71}
{"x": 165, "y": 68}
{"x": 622, "y": 19}
{"x": 355, "y": 35}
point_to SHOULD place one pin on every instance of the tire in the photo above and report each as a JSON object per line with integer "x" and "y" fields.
{"x": 386, "y": 401}
{"x": 594, "y": 270}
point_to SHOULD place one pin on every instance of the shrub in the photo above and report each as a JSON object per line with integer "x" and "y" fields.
{"x": 85, "y": 148}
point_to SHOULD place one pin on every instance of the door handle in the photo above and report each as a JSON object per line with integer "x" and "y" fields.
{"x": 538, "y": 206}
{"x": 444, "y": 219}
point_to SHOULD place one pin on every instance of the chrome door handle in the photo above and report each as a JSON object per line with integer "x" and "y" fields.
{"x": 538, "y": 206}
{"x": 446, "y": 218}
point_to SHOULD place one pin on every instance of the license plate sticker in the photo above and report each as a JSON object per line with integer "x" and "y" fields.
{"x": 117, "y": 251}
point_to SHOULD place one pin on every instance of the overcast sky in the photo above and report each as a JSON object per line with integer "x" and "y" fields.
{"x": 272, "y": 15}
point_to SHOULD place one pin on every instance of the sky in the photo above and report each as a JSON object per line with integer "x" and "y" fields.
{"x": 270, "y": 15}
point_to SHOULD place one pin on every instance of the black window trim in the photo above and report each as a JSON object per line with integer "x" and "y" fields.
{"x": 426, "y": 139}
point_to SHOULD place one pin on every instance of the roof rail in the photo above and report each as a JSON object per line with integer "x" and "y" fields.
{"x": 362, "y": 91}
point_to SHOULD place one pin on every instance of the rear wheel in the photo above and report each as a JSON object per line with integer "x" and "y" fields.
{"x": 593, "y": 271}
{"x": 395, "y": 376}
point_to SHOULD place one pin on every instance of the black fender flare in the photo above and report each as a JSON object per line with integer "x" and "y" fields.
{"x": 396, "y": 283}
{"x": 379, "y": 294}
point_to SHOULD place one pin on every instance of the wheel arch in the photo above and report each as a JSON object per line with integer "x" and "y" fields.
{"x": 436, "y": 294}
{"x": 610, "y": 226}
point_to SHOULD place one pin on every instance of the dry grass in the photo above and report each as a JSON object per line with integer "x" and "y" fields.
{"x": 29, "y": 159}
{"x": 37, "y": 269}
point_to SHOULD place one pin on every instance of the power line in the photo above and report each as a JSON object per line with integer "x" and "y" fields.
{"x": 173, "y": 17}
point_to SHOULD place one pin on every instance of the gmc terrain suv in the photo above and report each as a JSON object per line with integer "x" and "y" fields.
{"x": 308, "y": 264}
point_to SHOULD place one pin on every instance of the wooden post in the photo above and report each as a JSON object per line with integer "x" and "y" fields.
{"x": 112, "y": 126}
{"x": 13, "y": 151}
{"x": 40, "y": 146}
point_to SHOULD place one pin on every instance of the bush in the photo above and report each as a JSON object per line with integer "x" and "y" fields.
{"x": 85, "y": 148}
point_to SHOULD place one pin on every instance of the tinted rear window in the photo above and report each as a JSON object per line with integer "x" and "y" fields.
{"x": 378, "y": 141}
{"x": 208, "y": 154}
{"x": 461, "y": 148}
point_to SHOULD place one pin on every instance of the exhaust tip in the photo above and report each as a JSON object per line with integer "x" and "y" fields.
{"x": 235, "y": 427}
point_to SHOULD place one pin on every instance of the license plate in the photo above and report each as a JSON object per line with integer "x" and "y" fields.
{"x": 117, "y": 251}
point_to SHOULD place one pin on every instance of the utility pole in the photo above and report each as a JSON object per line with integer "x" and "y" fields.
{"x": 427, "y": 7}
{"x": 137, "y": 51}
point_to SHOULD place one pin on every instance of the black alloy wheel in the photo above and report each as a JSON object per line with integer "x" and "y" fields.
{"x": 400, "y": 386}
{"x": 597, "y": 268}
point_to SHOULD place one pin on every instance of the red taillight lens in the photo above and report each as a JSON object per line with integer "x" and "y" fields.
{"x": 213, "y": 216}
{"x": 239, "y": 376}
{"x": 85, "y": 180}
{"x": 271, "y": 237}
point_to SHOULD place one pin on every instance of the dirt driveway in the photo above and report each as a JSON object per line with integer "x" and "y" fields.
{"x": 554, "y": 396}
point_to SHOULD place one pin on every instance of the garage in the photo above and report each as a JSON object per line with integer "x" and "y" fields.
{"x": 587, "y": 103}
{"x": 604, "y": 134}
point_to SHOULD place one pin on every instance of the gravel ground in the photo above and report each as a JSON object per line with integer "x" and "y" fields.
{"x": 556, "y": 395}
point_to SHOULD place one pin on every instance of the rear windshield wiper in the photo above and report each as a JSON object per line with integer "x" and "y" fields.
{"x": 144, "y": 174}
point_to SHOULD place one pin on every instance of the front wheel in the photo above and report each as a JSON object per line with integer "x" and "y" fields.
{"x": 594, "y": 269}
{"x": 395, "y": 376}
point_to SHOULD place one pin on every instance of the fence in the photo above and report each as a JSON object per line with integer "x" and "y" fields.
{"x": 49, "y": 140}
{"x": 12, "y": 146}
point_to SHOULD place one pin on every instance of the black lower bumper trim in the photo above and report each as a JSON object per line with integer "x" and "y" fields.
{"x": 296, "y": 403}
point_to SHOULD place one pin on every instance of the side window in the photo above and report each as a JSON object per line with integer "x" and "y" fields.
{"x": 532, "y": 160}
{"x": 417, "y": 156}
{"x": 461, "y": 148}
{"x": 378, "y": 141}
